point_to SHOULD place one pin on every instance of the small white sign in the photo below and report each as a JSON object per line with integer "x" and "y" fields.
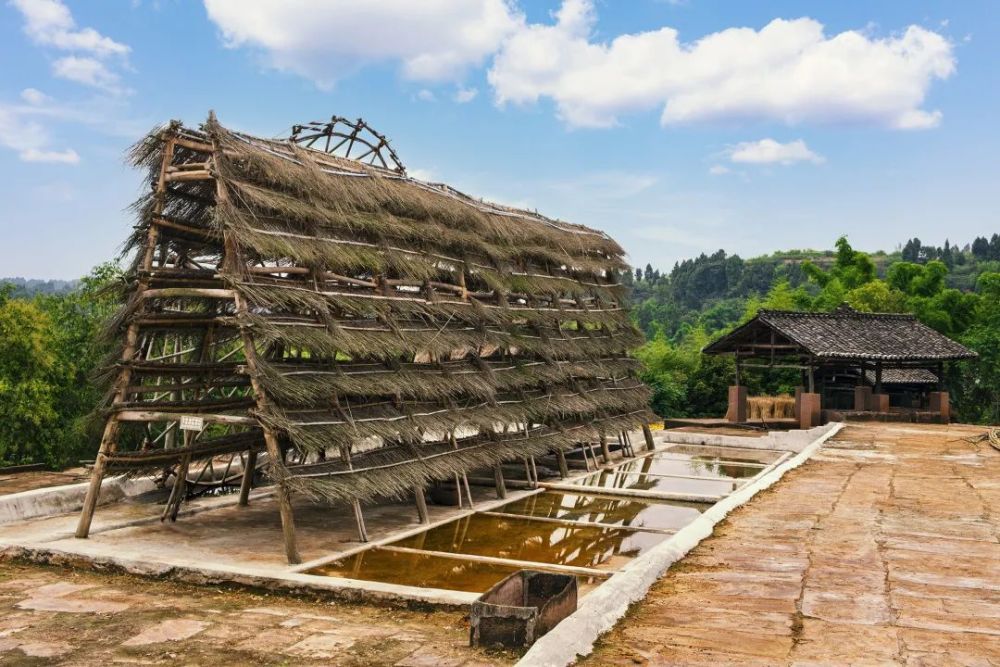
{"x": 192, "y": 423}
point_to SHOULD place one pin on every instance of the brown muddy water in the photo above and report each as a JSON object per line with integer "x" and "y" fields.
{"x": 517, "y": 536}
{"x": 606, "y": 509}
{"x": 557, "y": 527}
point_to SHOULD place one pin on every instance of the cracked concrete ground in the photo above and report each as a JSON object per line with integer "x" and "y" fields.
{"x": 883, "y": 549}
{"x": 51, "y": 615}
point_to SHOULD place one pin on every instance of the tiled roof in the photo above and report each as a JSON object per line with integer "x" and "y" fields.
{"x": 849, "y": 334}
{"x": 903, "y": 376}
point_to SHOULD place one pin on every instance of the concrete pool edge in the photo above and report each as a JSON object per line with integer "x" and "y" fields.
{"x": 345, "y": 590}
{"x": 574, "y": 637}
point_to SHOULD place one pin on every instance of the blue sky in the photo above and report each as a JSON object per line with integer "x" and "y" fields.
{"x": 678, "y": 127}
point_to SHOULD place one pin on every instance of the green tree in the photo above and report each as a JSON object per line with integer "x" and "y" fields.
{"x": 978, "y": 391}
{"x": 49, "y": 349}
{"x": 29, "y": 378}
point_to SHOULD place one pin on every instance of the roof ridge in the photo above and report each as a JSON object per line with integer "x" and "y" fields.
{"x": 837, "y": 314}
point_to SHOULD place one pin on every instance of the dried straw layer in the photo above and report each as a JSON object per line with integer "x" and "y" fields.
{"x": 400, "y": 330}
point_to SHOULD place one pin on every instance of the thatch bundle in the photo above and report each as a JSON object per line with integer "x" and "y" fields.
{"x": 770, "y": 407}
{"x": 391, "y": 332}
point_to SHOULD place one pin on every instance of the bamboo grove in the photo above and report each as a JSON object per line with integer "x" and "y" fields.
{"x": 355, "y": 333}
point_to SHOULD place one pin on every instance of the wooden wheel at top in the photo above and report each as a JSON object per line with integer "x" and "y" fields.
{"x": 354, "y": 140}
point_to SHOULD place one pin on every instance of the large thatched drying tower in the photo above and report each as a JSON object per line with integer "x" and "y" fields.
{"x": 371, "y": 333}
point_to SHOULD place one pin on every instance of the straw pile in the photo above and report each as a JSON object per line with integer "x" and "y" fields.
{"x": 764, "y": 408}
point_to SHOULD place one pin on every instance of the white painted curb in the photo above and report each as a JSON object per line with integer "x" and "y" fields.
{"x": 66, "y": 498}
{"x": 575, "y": 636}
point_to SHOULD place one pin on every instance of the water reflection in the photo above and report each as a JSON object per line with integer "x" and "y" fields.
{"x": 419, "y": 570}
{"x": 543, "y": 542}
{"x": 606, "y": 509}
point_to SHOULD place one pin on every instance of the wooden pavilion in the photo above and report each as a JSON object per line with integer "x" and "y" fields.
{"x": 304, "y": 307}
{"x": 850, "y": 362}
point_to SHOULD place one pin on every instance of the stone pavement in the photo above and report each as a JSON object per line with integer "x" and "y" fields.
{"x": 882, "y": 549}
{"x": 59, "y": 616}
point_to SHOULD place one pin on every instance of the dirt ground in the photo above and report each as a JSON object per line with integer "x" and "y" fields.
{"x": 37, "y": 479}
{"x": 51, "y": 615}
{"x": 882, "y": 549}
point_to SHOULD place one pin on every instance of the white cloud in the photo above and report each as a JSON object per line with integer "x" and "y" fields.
{"x": 50, "y": 23}
{"x": 425, "y": 95}
{"x": 34, "y": 96}
{"x": 67, "y": 156}
{"x": 718, "y": 170}
{"x": 769, "y": 151}
{"x": 789, "y": 71}
{"x": 465, "y": 95}
{"x": 88, "y": 71}
{"x": 325, "y": 40}
{"x": 29, "y": 139}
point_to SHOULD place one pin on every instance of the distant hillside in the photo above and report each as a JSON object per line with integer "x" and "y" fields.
{"x": 715, "y": 288}
{"x": 26, "y": 288}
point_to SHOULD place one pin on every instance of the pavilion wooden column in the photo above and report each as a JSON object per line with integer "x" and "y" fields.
{"x": 939, "y": 401}
{"x": 810, "y": 412}
{"x": 879, "y": 400}
{"x": 862, "y": 398}
{"x": 737, "y": 411}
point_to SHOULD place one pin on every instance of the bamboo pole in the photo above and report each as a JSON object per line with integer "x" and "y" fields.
{"x": 249, "y": 466}
{"x": 418, "y": 494}
{"x": 501, "y": 485}
{"x": 605, "y": 452}
{"x": 648, "y": 435}
{"x": 563, "y": 468}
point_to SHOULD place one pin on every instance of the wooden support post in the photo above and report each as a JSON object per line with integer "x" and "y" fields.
{"x": 274, "y": 453}
{"x": 501, "y": 485}
{"x": 359, "y": 518}
{"x": 249, "y": 466}
{"x": 563, "y": 467}
{"x": 648, "y": 435}
{"x": 468, "y": 490}
{"x": 418, "y": 493}
{"x": 605, "y": 452}
{"x": 110, "y": 435}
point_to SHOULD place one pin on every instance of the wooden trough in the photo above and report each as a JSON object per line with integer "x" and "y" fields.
{"x": 521, "y": 608}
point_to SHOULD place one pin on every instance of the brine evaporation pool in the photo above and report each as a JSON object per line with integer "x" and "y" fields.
{"x": 591, "y": 532}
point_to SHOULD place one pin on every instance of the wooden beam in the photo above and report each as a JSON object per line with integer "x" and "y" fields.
{"x": 159, "y": 415}
{"x": 510, "y": 562}
{"x": 187, "y": 176}
{"x": 580, "y": 524}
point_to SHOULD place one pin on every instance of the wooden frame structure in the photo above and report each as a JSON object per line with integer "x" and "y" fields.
{"x": 844, "y": 342}
{"x": 353, "y": 332}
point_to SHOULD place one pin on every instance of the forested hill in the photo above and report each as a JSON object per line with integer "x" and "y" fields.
{"x": 714, "y": 290}
{"x": 954, "y": 289}
{"x": 29, "y": 287}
